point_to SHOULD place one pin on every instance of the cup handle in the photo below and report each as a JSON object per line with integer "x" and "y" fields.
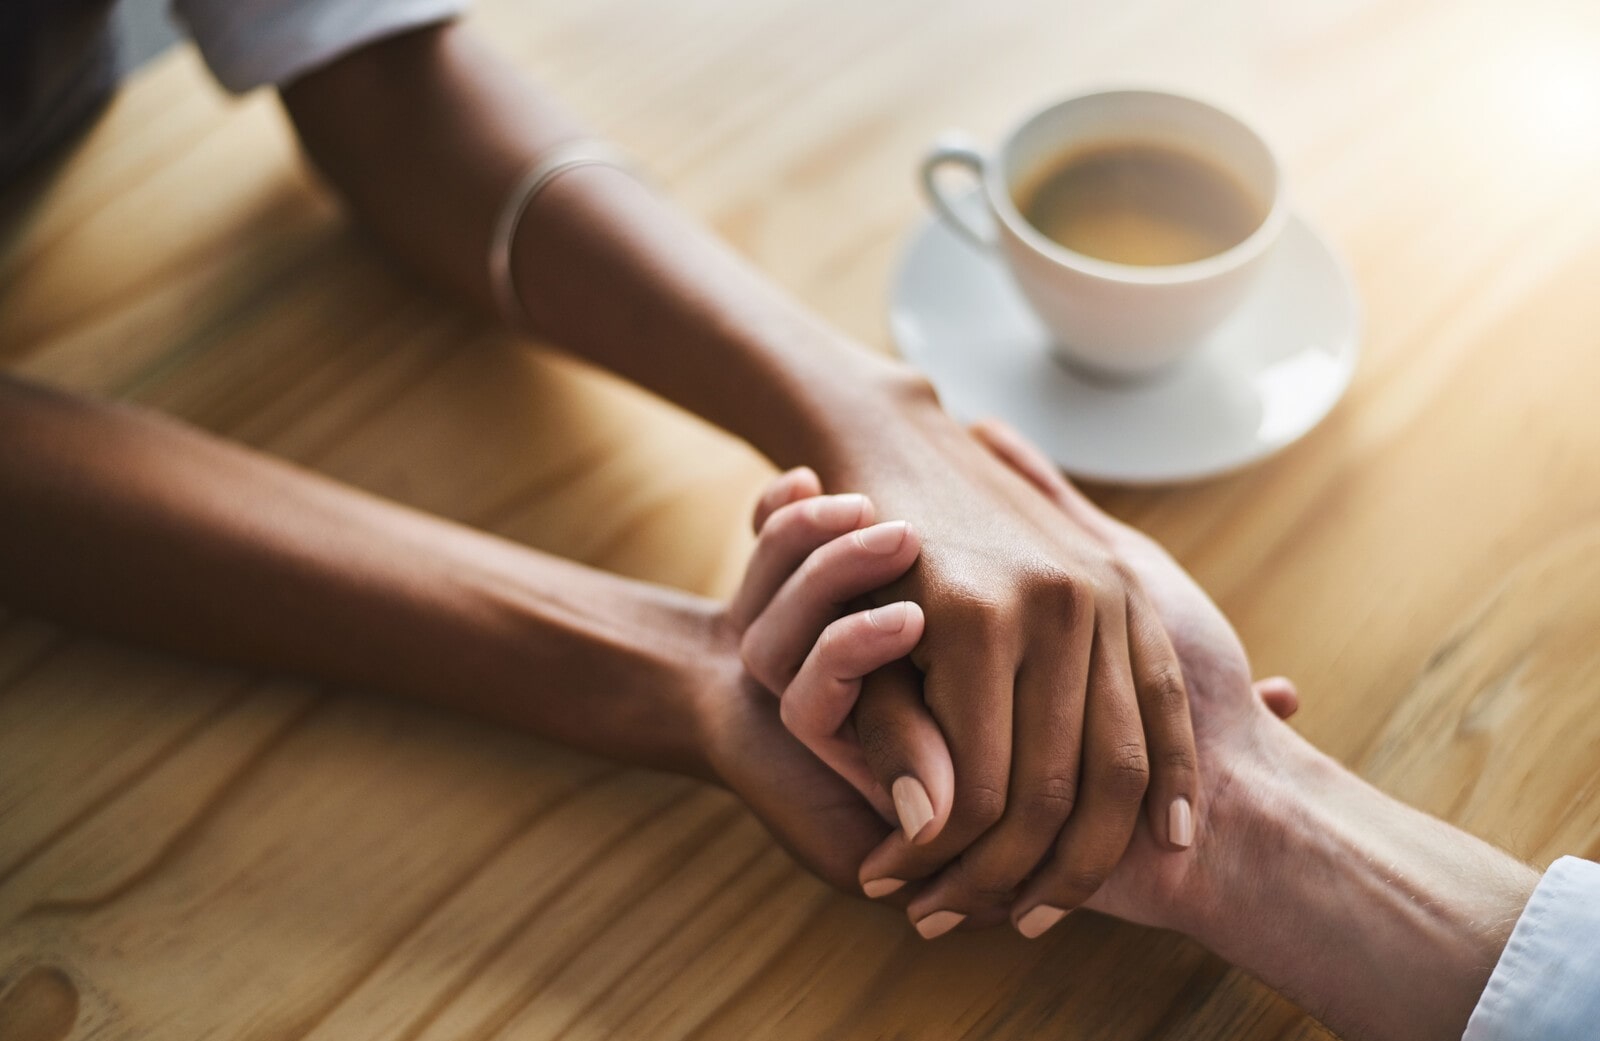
{"x": 956, "y": 148}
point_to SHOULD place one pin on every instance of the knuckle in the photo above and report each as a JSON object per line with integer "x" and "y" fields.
{"x": 981, "y": 805}
{"x": 1051, "y": 799}
{"x": 1059, "y": 592}
{"x": 1107, "y": 584}
{"x": 1109, "y": 598}
{"x": 1166, "y": 691}
{"x": 976, "y": 620}
{"x": 1127, "y": 772}
{"x": 1122, "y": 574}
{"x": 1178, "y": 760}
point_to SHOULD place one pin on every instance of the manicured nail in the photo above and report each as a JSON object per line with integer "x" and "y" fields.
{"x": 890, "y": 618}
{"x": 838, "y": 511}
{"x": 881, "y": 887}
{"x": 882, "y": 538}
{"x": 1180, "y": 823}
{"x": 911, "y": 805}
{"x": 1036, "y": 922}
{"x": 939, "y": 923}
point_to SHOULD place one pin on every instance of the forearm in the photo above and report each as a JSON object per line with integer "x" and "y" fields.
{"x": 136, "y": 526}
{"x": 1383, "y": 921}
{"x": 426, "y": 133}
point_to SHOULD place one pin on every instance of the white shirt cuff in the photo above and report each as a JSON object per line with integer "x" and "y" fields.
{"x": 1547, "y": 984}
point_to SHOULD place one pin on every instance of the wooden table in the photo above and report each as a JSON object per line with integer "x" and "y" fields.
{"x": 189, "y": 852}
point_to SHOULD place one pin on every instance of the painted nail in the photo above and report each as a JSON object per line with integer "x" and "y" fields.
{"x": 881, "y": 887}
{"x": 837, "y": 511}
{"x": 939, "y": 923}
{"x": 1036, "y": 922}
{"x": 1180, "y": 823}
{"x": 890, "y": 618}
{"x": 911, "y": 805}
{"x": 882, "y": 538}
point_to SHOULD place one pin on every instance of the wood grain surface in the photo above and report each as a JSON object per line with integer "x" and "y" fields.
{"x": 190, "y": 852}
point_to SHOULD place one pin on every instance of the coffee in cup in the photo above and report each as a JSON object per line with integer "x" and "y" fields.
{"x": 1140, "y": 202}
{"x": 1133, "y": 221}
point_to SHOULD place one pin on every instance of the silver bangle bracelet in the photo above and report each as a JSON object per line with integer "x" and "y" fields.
{"x": 558, "y": 160}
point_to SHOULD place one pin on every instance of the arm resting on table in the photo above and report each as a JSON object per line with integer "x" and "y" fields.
{"x": 426, "y": 132}
{"x": 1382, "y": 921}
{"x": 137, "y": 526}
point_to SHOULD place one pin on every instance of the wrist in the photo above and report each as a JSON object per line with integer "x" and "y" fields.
{"x": 869, "y": 413}
{"x": 1384, "y": 920}
{"x": 1258, "y": 805}
{"x": 721, "y": 698}
{"x": 894, "y": 435}
{"x": 696, "y": 323}
{"x": 600, "y": 663}
{"x": 710, "y": 691}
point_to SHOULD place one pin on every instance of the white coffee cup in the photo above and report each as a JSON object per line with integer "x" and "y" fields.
{"x": 1114, "y": 319}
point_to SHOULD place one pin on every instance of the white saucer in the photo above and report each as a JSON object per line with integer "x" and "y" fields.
{"x": 1257, "y": 384}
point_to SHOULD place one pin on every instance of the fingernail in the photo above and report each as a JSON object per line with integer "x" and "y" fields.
{"x": 882, "y": 538}
{"x": 939, "y": 923}
{"x": 911, "y": 805}
{"x": 890, "y": 618}
{"x": 839, "y": 510}
{"x": 1180, "y": 823}
{"x": 1036, "y": 922}
{"x": 881, "y": 887}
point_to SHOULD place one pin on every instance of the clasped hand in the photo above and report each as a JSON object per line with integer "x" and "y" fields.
{"x": 914, "y": 784}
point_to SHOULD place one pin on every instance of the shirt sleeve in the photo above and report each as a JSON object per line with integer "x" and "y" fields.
{"x": 1547, "y": 984}
{"x": 248, "y": 43}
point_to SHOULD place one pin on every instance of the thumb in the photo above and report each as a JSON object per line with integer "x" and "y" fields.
{"x": 1280, "y": 695}
{"x": 817, "y": 705}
